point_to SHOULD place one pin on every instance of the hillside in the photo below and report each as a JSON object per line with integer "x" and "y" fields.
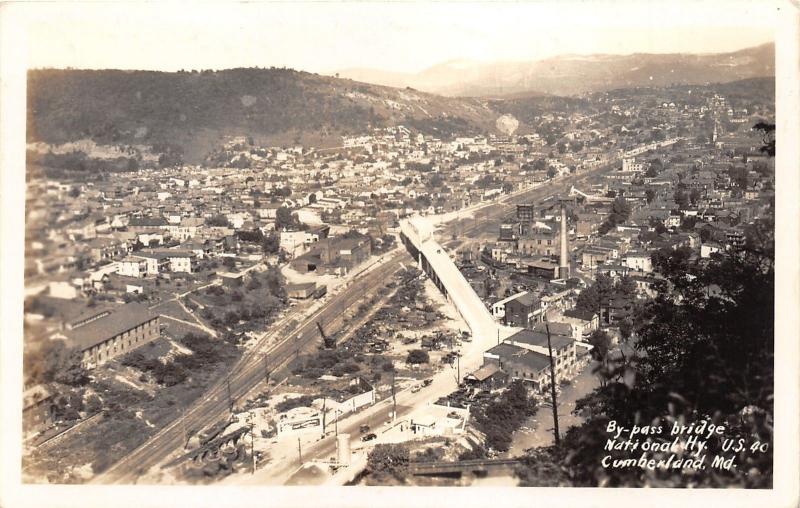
{"x": 191, "y": 112}
{"x": 579, "y": 74}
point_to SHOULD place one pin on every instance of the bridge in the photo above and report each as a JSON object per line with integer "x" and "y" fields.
{"x": 459, "y": 467}
{"x": 434, "y": 260}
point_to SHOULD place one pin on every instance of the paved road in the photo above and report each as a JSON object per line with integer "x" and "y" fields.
{"x": 286, "y": 339}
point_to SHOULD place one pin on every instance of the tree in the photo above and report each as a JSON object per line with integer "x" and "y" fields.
{"x": 596, "y": 296}
{"x": 271, "y": 243}
{"x": 551, "y": 172}
{"x": 218, "y": 221}
{"x": 74, "y": 191}
{"x": 681, "y": 198}
{"x": 285, "y": 219}
{"x": 601, "y": 343}
{"x": 694, "y": 196}
{"x": 417, "y": 356}
{"x": 388, "y": 461}
{"x": 650, "y": 195}
{"x": 688, "y": 223}
{"x": 767, "y": 132}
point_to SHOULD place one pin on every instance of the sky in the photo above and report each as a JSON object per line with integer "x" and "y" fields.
{"x": 409, "y": 36}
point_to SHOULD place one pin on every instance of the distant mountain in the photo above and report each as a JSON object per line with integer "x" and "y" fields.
{"x": 577, "y": 74}
{"x": 194, "y": 111}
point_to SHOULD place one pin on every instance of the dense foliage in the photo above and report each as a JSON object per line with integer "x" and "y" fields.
{"x": 501, "y": 417}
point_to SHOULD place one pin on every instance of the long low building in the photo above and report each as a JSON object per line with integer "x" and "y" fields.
{"x": 110, "y": 334}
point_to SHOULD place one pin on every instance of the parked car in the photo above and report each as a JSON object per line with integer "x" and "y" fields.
{"x": 416, "y": 388}
{"x": 427, "y": 382}
{"x": 369, "y": 437}
{"x": 364, "y": 428}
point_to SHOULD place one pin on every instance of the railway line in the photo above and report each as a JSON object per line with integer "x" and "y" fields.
{"x": 257, "y": 365}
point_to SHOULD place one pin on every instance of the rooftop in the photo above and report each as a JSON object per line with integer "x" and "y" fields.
{"x": 531, "y": 359}
{"x": 124, "y": 318}
{"x": 535, "y": 338}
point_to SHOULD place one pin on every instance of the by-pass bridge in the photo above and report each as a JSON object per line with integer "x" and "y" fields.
{"x": 417, "y": 235}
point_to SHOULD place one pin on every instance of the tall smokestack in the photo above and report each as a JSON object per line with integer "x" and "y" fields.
{"x": 563, "y": 264}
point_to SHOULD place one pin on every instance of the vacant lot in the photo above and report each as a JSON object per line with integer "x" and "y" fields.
{"x": 140, "y": 393}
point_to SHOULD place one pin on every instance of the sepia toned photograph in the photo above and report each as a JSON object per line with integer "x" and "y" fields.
{"x": 345, "y": 244}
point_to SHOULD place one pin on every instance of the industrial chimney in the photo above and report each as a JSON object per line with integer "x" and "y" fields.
{"x": 563, "y": 263}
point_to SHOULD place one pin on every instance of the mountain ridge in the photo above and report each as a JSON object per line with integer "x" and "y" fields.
{"x": 576, "y": 74}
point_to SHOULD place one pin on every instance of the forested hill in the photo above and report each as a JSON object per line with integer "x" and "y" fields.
{"x": 195, "y": 110}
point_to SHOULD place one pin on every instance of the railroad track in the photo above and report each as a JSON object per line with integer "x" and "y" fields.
{"x": 255, "y": 366}
{"x": 247, "y": 373}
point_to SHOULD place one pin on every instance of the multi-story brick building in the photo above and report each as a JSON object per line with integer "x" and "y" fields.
{"x": 113, "y": 333}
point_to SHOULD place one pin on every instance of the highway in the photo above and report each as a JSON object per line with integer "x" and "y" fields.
{"x": 286, "y": 339}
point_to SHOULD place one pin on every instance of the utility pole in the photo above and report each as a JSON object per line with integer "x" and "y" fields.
{"x": 299, "y": 451}
{"x": 458, "y": 367}
{"x": 266, "y": 369}
{"x": 230, "y": 399}
{"x": 553, "y": 386}
{"x": 252, "y": 442}
{"x": 324, "y": 407}
{"x": 183, "y": 427}
{"x": 394, "y": 399}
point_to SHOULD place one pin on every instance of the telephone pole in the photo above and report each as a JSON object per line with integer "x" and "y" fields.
{"x": 230, "y": 399}
{"x": 394, "y": 399}
{"x": 299, "y": 451}
{"x": 552, "y": 385}
{"x": 324, "y": 413}
{"x": 252, "y": 442}
{"x": 183, "y": 427}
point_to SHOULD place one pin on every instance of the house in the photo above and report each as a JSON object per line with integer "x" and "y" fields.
{"x": 521, "y": 310}
{"x": 499, "y": 308}
{"x": 186, "y": 229}
{"x": 181, "y": 261}
{"x": 102, "y": 248}
{"x": 639, "y": 261}
{"x": 585, "y": 322}
{"x": 174, "y": 260}
{"x": 519, "y": 363}
{"x": 132, "y": 266}
{"x": 38, "y": 408}
{"x": 112, "y": 333}
{"x": 154, "y": 263}
{"x": 709, "y": 248}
